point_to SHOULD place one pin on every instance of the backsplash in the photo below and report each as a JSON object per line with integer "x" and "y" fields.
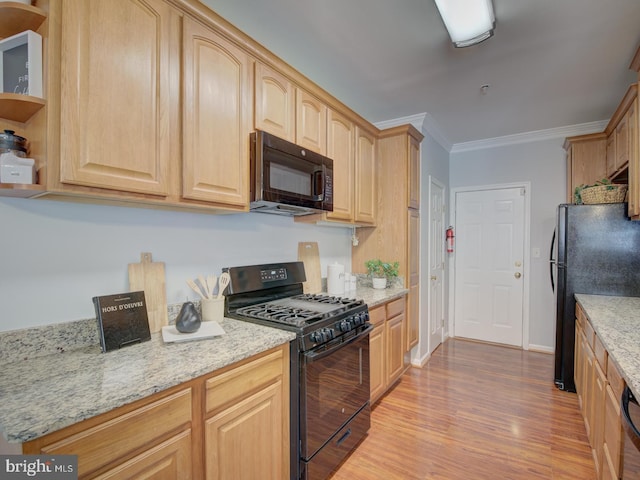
{"x": 28, "y": 343}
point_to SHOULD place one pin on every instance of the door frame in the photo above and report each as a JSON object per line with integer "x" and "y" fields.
{"x": 526, "y": 271}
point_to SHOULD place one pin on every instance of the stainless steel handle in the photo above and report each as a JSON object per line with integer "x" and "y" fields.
{"x": 517, "y": 274}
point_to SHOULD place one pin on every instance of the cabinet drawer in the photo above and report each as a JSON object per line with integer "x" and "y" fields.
{"x": 377, "y": 315}
{"x": 129, "y": 433}
{"x": 229, "y": 387}
{"x": 615, "y": 379}
{"x": 581, "y": 317}
{"x": 395, "y": 307}
{"x": 589, "y": 333}
{"x": 600, "y": 353}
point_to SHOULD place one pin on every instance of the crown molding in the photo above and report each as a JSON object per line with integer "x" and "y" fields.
{"x": 535, "y": 136}
{"x": 416, "y": 120}
{"x": 424, "y": 122}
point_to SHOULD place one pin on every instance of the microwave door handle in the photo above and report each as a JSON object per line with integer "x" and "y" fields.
{"x": 319, "y": 197}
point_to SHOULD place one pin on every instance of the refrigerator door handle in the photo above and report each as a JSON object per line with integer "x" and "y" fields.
{"x": 552, "y": 261}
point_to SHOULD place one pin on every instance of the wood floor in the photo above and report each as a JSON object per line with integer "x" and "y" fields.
{"x": 473, "y": 412}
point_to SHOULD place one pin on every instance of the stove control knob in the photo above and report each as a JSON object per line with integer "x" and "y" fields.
{"x": 316, "y": 337}
{"x": 329, "y": 334}
{"x": 344, "y": 326}
{"x": 357, "y": 320}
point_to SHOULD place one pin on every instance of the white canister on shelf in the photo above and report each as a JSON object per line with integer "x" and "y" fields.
{"x": 335, "y": 279}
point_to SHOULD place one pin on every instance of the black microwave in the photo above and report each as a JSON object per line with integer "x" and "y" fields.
{"x": 287, "y": 179}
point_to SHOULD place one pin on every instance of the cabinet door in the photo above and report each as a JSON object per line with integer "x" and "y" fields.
{"x": 395, "y": 347}
{"x": 246, "y": 440}
{"x": 597, "y": 414}
{"x": 377, "y": 361}
{"x": 169, "y": 460}
{"x": 414, "y": 173}
{"x": 116, "y": 94}
{"x": 217, "y": 118}
{"x": 622, "y": 142}
{"x": 588, "y": 377}
{"x": 275, "y": 103}
{"x": 634, "y": 162}
{"x": 340, "y": 148}
{"x": 100, "y": 446}
{"x": 611, "y": 154}
{"x": 613, "y": 435}
{"x": 586, "y": 161}
{"x": 365, "y": 178}
{"x": 311, "y": 122}
{"x": 578, "y": 362}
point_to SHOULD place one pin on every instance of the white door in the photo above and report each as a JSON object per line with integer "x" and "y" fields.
{"x": 489, "y": 257}
{"x": 436, "y": 263}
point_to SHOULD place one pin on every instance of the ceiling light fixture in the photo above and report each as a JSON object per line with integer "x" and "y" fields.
{"x": 468, "y": 21}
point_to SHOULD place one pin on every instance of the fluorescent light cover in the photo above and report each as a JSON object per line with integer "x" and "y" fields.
{"x": 468, "y": 21}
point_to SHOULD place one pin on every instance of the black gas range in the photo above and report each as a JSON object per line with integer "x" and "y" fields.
{"x": 330, "y": 410}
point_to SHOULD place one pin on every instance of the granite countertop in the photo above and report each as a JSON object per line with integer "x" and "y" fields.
{"x": 55, "y": 376}
{"x": 374, "y": 297}
{"x": 616, "y": 321}
{"x": 46, "y": 393}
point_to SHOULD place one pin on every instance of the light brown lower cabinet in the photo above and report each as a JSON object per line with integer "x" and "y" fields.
{"x": 387, "y": 345}
{"x": 599, "y": 386}
{"x": 233, "y": 423}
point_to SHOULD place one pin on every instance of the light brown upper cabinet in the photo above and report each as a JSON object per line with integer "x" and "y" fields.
{"x": 217, "y": 96}
{"x": 585, "y": 160}
{"x": 340, "y": 148}
{"x": 414, "y": 171}
{"x": 634, "y": 163}
{"x": 116, "y": 91}
{"x": 275, "y": 103}
{"x": 311, "y": 122}
{"x": 619, "y": 135}
{"x": 365, "y": 177}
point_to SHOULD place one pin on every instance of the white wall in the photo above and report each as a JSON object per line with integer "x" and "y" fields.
{"x": 543, "y": 164}
{"x": 55, "y": 256}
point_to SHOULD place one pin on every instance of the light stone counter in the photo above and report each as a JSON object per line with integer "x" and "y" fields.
{"x": 374, "y": 297}
{"x": 616, "y": 321}
{"x": 56, "y": 375}
{"x": 45, "y": 393}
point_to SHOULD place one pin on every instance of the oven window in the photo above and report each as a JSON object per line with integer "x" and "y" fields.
{"x": 335, "y": 388}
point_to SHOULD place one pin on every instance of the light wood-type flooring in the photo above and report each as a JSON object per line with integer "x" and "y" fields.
{"x": 475, "y": 411}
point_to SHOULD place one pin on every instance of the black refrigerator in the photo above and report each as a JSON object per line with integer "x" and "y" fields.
{"x": 596, "y": 251}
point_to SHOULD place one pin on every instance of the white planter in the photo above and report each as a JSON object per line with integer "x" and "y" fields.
{"x": 379, "y": 283}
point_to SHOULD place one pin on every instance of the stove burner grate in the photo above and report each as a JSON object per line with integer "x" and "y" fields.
{"x": 280, "y": 313}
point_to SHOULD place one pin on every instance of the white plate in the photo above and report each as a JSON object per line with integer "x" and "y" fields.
{"x": 207, "y": 329}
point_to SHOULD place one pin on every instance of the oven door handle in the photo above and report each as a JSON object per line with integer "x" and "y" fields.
{"x": 313, "y": 356}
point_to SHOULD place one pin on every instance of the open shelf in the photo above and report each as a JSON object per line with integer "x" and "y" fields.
{"x": 20, "y": 190}
{"x": 19, "y": 108}
{"x": 18, "y": 17}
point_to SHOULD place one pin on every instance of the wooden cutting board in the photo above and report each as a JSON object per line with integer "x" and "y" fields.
{"x": 149, "y": 276}
{"x": 308, "y": 254}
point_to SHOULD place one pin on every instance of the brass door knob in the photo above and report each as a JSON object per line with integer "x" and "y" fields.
{"x": 433, "y": 277}
{"x": 517, "y": 274}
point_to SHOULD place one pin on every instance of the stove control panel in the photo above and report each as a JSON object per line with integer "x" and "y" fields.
{"x": 339, "y": 328}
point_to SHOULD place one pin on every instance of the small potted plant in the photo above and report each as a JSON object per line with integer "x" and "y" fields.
{"x": 381, "y": 272}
